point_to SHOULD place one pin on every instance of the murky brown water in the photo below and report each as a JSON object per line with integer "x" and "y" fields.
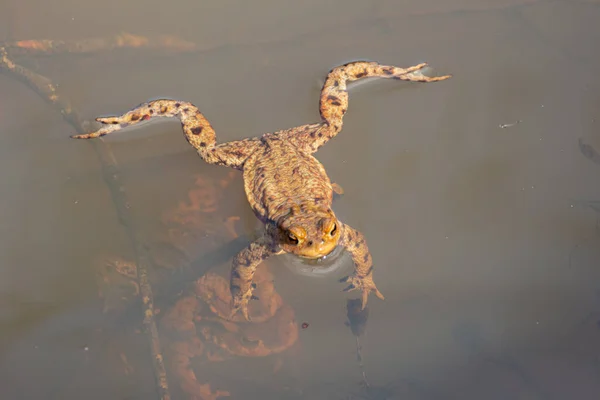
{"x": 486, "y": 252}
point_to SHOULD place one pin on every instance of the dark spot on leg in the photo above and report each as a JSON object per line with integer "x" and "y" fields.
{"x": 114, "y": 122}
{"x": 336, "y": 83}
{"x": 196, "y": 130}
{"x": 295, "y": 170}
{"x": 163, "y": 110}
{"x": 253, "y": 285}
{"x": 352, "y": 62}
{"x": 177, "y": 105}
{"x": 202, "y": 144}
{"x": 235, "y": 289}
{"x": 388, "y": 71}
{"x": 246, "y": 263}
{"x": 262, "y": 175}
{"x": 151, "y": 111}
{"x": 235, "y": 274}
{"x": 146, "y": 117}
{"x": 334, "y": 100}
{"x": 362, "y": 74}
{"x": 366, "y": 258}
{"x": 312, "y": 134}
{"x": 370, "y": 271}
{"x": 135, "y": 117}
{"x": 320, "y": 134}
{"x": 185, "y": 110}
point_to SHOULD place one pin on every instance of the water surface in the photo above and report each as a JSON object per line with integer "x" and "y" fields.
{"x": 485, "y": 249}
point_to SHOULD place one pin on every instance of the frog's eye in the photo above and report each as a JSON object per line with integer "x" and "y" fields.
{"x": 295, "y": 234}
{"x": 292, "y": 238}
{"x": 332, "y": 231}
{"x": 329, "y": 226}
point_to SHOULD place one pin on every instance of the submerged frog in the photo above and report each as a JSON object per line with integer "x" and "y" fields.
{"x": 186, "y": 231}
{"x": 198, "y": 325}
{"x": 286, "y": 186}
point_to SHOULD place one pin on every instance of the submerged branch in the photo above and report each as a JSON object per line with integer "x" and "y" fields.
{"x": 94, "y": 45}
{"x": 110, "y": 170}
{"x": 112, "y": 177}
{"x": 44, "y": 88}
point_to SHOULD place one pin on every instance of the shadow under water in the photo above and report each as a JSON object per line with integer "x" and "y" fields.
{"x": 465, "y": 192}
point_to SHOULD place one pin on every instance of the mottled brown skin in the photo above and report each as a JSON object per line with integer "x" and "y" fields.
{"x": 286, "y": 186}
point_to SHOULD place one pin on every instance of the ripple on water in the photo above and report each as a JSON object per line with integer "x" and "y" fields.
{"x": 333, "y": 264}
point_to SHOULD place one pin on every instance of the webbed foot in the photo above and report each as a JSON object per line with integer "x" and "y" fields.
{"x": 365, "y": 284}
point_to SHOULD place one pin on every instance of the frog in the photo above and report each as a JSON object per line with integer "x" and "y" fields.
{"x": 286, "y": 186}
{"x": 197, "y": 326}
{"x": 201, "y": 327}
{"x": 185, "y": 230}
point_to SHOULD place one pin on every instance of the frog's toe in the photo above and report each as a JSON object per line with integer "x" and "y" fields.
{"x": 367, "y": 288}
{"x": 365, "y": 285}
{"x": 349, "y": 288}
{"x": 108, "y": 120}
{"x": 108, "y": 127}
{"x": 233, "y": 313}
{"x": 240, "y": 305}
{"x": 351, "y": 283}
{"x": 379, "y": 294}
{"x": 337, "y": 189}
{"x": 245, "y": 313}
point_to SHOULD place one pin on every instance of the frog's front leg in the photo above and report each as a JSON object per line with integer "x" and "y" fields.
{"x": 243, "y": 269}
{"x": 354, "y": 242}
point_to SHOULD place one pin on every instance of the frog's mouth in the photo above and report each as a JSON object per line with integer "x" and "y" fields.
{"x": 317, "y": 256}
{"x": 317, "y": 267}
{"x": 316, "y": 251}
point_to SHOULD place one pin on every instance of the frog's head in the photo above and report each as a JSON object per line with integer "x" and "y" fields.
{"x": 309, "y": 232}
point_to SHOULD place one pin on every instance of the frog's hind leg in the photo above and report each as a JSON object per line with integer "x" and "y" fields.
{"x": 198, "y": 131}
{"x": 334, "y": 96}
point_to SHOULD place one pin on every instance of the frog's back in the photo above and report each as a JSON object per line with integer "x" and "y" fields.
{"x": 278, "y": 176}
